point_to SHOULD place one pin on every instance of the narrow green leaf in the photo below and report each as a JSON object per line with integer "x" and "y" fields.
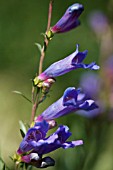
{"x": 29, "y": 167}
{"x": 3, "y": 167}
{"x": 21, "y": 94}
{"x": 22, "y": 127}
{"x": 11, "y": 158}
{"x": 43, "y": 34}
{"x": 39, "y": 47}
{"x": 22, "y": 133}
{"x": 17, "y": 92}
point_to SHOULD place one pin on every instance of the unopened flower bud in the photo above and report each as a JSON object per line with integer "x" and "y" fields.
{"x": 69, "y": 20}
{"x": 46, "y": 162}
{"x": 47, "y": 84}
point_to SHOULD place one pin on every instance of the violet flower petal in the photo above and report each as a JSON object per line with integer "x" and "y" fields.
{"x": 72, "y": 100}
{"x": 72, "y": 62}
{"x": 55, "y": 141}
{"x": 34, "y": 134}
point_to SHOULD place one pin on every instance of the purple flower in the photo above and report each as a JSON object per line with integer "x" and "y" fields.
{"x": 108, "y": 69}
{"x": 98, "y": 22}
{"x": 91, "y": 83}
{"x": 69, "y": 20}
{"x": 72, "y": 62}
{"x": 71, "y": 101}
{"x": 35, "y": 142}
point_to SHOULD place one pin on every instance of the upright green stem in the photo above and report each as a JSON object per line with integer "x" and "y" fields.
{"x": 46, "y": 41}
{"x": 45, "y": 45}
{"x": 16, "y": 166}
{"x": 43, "y": 54}
{"x": 49, "y": 15}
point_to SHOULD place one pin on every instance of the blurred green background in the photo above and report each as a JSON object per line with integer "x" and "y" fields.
{"x": 21, "y": 25}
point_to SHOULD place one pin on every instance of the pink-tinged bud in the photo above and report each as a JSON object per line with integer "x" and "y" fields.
{"x": 69, "y": 20}
{"x": 47, "y": 84}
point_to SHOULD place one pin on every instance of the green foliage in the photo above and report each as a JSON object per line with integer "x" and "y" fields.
{"x": 21, "y": 94}
{"x": 39, "y": 47}
{"x": 23, "y": 130}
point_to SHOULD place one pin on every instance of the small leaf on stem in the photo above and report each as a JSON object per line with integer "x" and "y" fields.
{"x": 39, "y": 47}
{"x": 21, "y": 94}
{"x": 22, "y": 128}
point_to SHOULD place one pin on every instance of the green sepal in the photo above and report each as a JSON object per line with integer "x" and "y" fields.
{"x": 35, "y": 81}
{"x": 16, "y": 158}
{"x": 49, "y": 35}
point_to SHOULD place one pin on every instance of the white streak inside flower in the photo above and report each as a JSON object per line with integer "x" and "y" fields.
{"x": 75, "y": 7}
{"x": 80, "y": 97}
{"x": 34, "y": 156}
{"x": 90, "y": 102}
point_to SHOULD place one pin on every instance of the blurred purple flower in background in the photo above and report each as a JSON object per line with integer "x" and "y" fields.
{"x": 98, "y": 22}
{"x": 69, "y": 20}
{"x": 108, "y": 66}
{"x": 91, "y": 83}
{"x": 71, "y": 101}
{"x": 72, "y": 62}
{"x": 108, "y": 70}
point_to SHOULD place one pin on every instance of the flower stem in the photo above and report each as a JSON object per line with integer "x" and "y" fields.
{"x": 49, "y": 14}
{"x": 34, "y": 108}
{"x": 46, "y": 40}
{"x": 43, "y": 54}
{"x": 16, "y": 166}
{"x": 43, "y": 50}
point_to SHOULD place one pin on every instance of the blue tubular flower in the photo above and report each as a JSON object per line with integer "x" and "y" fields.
{"x": 34, "y": 134}
{"x": 72, "y": 100}
{"x": 91, "y": 83}
{"x": 72, "y": 62}
{"x": 69, "y": 20}
{"x": 35, "y": 141}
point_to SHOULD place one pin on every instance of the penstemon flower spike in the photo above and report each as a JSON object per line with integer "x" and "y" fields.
{"x": 36, "y": 143}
